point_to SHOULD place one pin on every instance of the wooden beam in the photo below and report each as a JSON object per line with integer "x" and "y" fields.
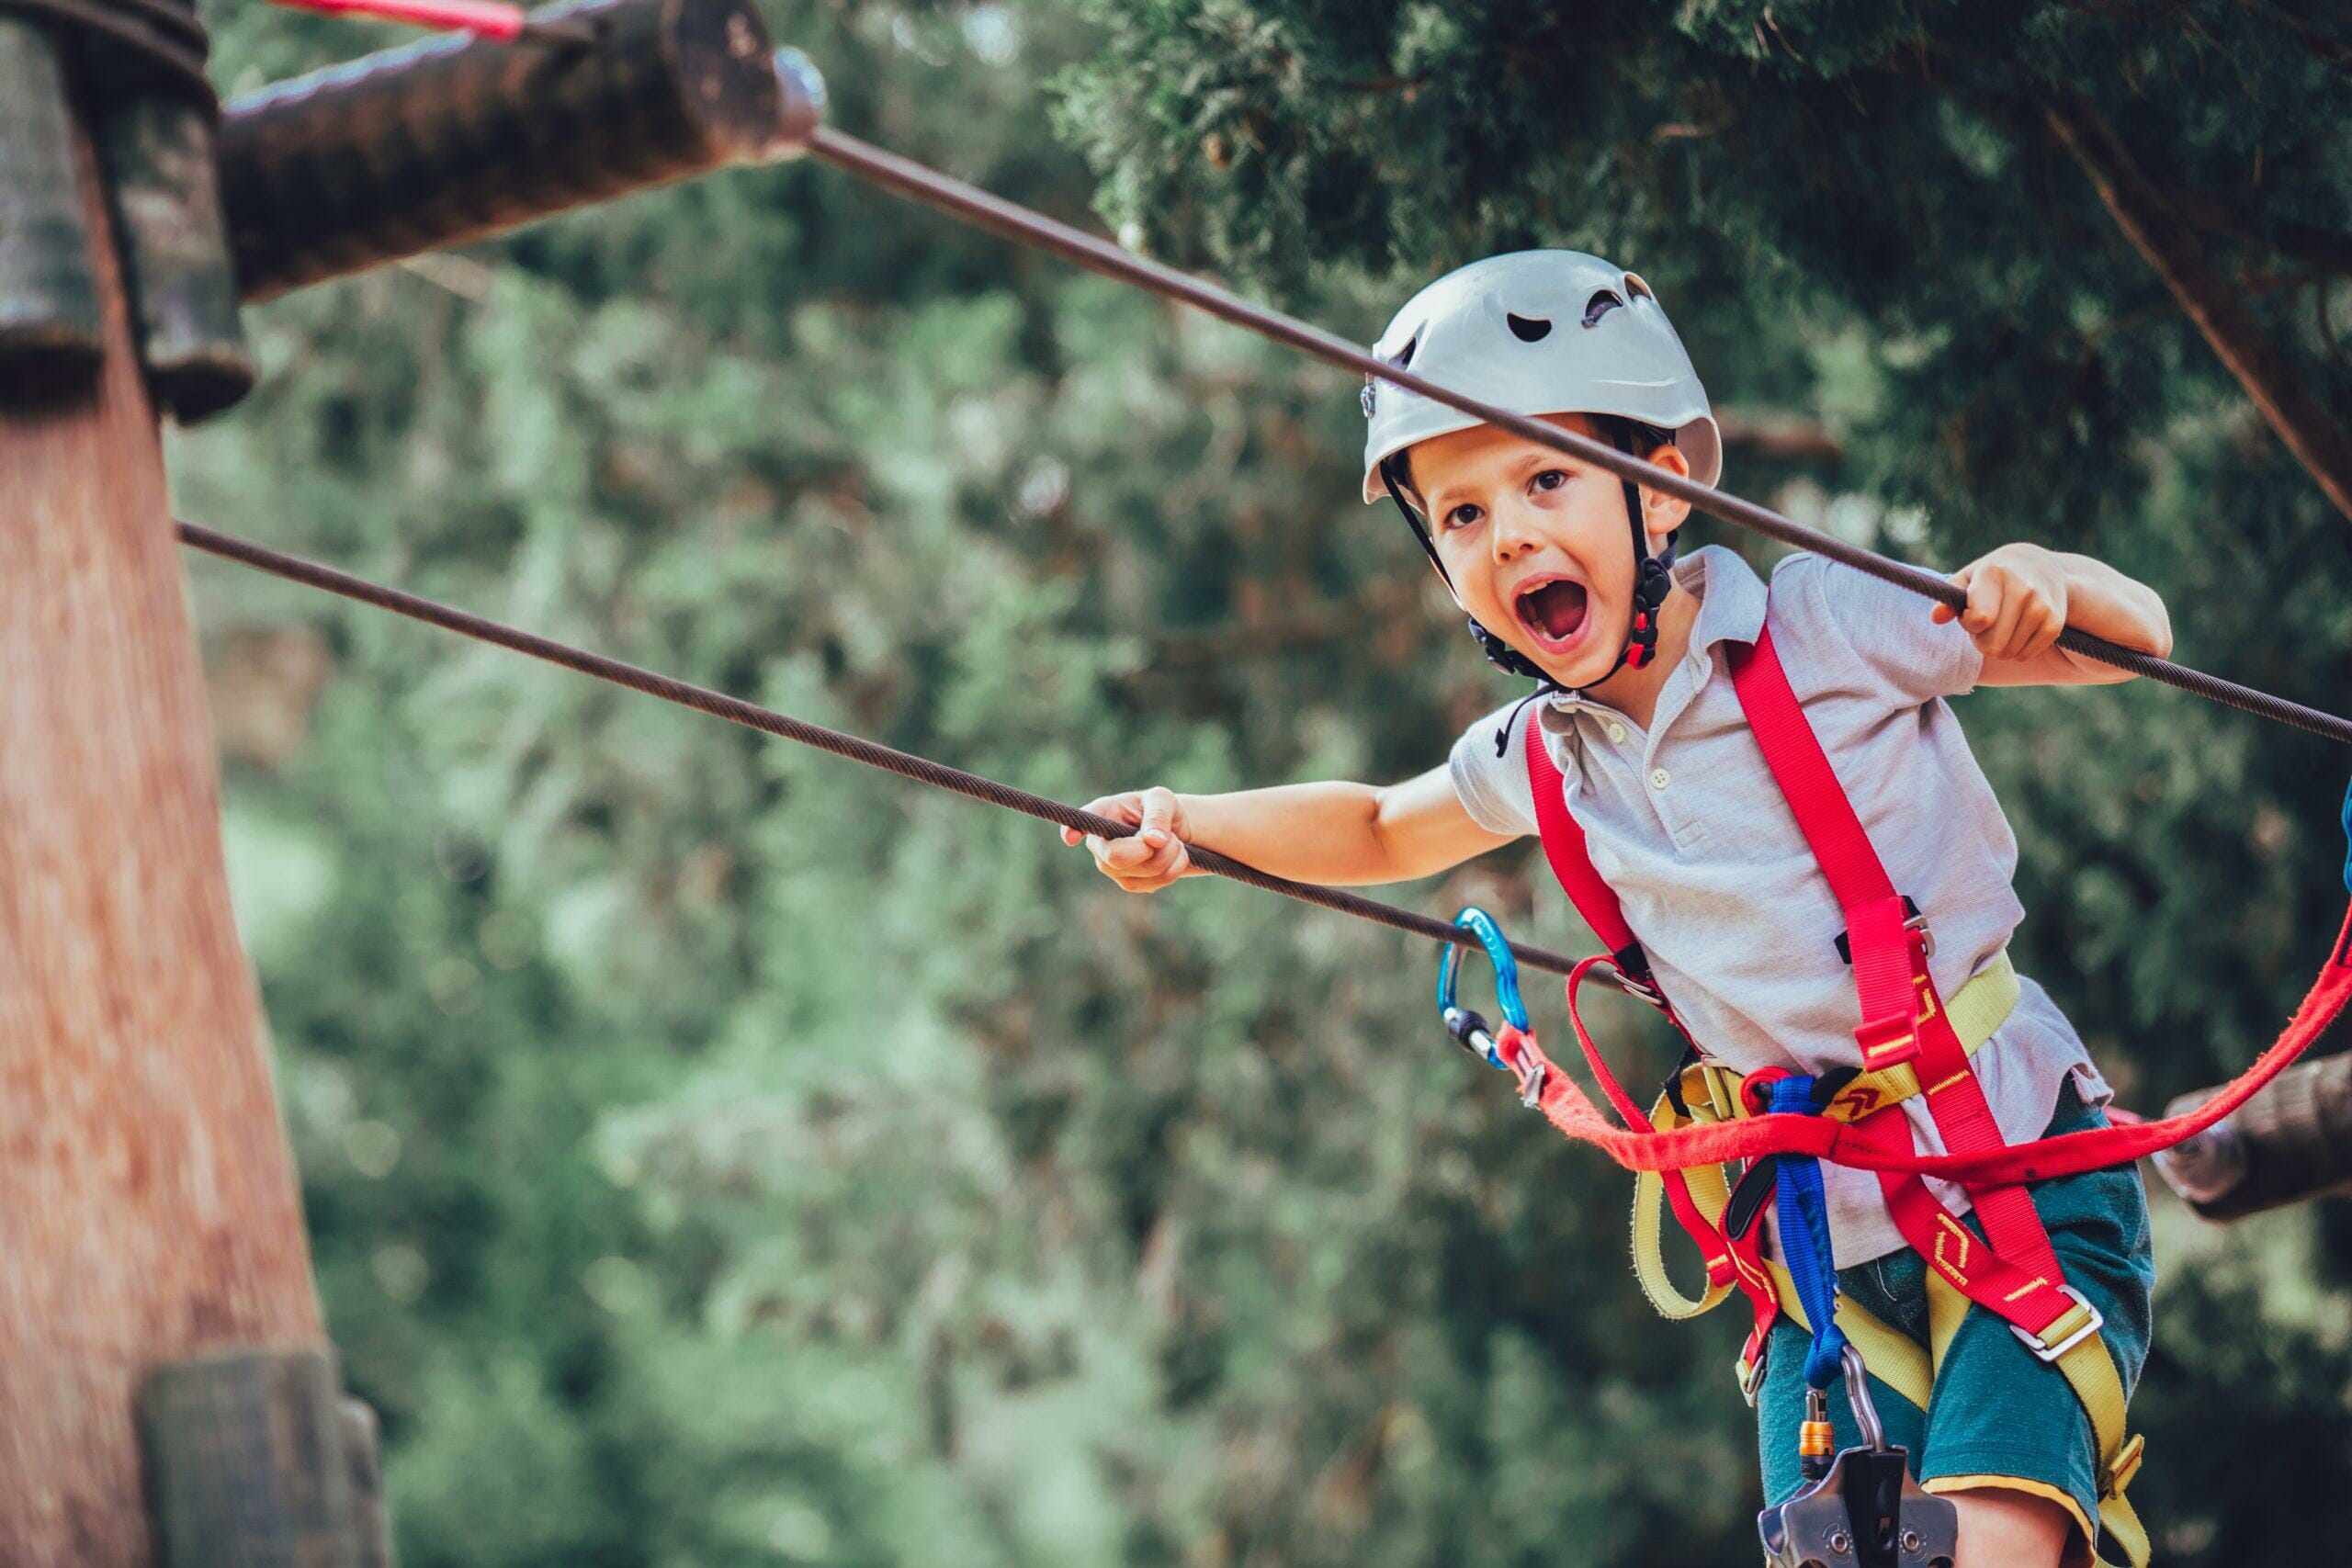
{"x": 446, "y": 141}
{"x": 48, "y": 314}
{"x": 148, "y": 1204}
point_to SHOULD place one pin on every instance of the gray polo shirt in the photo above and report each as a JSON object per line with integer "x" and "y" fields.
{"x": 1686, "y": 824}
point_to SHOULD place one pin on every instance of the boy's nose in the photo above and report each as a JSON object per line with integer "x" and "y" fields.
{"x": 1514, "y": 534}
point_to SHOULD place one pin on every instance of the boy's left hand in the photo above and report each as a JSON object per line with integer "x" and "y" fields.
{"x": 2017, "y": 602}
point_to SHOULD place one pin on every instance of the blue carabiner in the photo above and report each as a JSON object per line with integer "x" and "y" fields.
{"x": 1524, "y": 1063}
{"x": 2347, "y": 839}
{"x": 1490, "y": 936}
{"x": 1462, "y": 1023}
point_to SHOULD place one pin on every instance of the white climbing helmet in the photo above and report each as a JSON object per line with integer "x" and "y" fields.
{"x": 1538, "y": 332}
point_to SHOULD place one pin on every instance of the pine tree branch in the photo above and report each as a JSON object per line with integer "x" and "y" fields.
{"x": 2335, "y": 51}
{"x": 2169, "y": 245}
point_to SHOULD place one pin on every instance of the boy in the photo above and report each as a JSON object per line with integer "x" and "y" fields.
{"x": 1568, "y": 574}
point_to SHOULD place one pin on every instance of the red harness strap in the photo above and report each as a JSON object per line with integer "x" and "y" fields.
{"x": 2012, "y": 1270}
{"x": 1884, "y": 954}
{"x": 1903, "y": 1018}
{"x": 1729, "y": 1259}
{"x": 1564, "y": 846}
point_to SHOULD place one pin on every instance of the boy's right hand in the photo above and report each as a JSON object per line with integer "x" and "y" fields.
{"x": 1151, "y": 859}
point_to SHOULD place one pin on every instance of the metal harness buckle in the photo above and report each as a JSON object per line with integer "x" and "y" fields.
{"x": 1531, "y": 1075}
{"x": 1927, "y": 935}
{"x": 2033, "y": 1341}
{"x": 1640, "y": 991}
{"x": 1913, "y": 921}
{"x": 1643, "y": 990}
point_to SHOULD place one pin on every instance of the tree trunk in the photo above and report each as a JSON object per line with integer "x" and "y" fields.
{"x": 2310, "y": 430}
{"x": 148, "y": 1204}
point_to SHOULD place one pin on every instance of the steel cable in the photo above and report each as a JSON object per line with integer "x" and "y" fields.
{"x": 1013, "y": 221}
{"x": 718, "y": 705}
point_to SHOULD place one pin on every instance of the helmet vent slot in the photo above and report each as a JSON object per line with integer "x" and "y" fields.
{"x": 1527, "y": 329}
{"x": 1640, "y": 289}
{"x": 1370, "y": 395}
{"x": 1602, "y": 301}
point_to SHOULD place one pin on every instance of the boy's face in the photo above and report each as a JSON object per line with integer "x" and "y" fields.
{"x": 1536, "y": 542}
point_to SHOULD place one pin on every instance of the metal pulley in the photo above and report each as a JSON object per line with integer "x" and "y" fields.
{"x": 1866, "y": 1513}
{"x": 1860, "y": 1509}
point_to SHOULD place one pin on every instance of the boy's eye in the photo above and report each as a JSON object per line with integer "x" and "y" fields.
{"x": 1551, "y": 479}
{"x": 1463, "y": 516}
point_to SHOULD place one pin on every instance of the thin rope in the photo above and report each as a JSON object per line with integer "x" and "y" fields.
{"x": 1013, "y": 221}
{"x": 718, "y": 705}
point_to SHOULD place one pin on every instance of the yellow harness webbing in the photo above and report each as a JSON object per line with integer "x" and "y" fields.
{"x": 1713, "y": 1094}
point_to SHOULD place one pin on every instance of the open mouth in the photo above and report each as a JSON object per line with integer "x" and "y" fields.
{"x": 1553, "y": 610}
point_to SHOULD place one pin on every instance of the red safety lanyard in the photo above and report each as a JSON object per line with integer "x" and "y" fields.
{"x": 2011, "y": 1271}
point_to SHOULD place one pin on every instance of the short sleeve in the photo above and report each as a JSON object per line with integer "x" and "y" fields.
{"x": 1888, "y": 629}
{"x": 1494, "y": 789}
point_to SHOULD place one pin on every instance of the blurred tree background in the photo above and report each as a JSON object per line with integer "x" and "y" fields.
{"x": 716, "y": 1153}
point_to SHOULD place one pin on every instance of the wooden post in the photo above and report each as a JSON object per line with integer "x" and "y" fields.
{"x": 246, "y": 1462}
{"x": 148, "y": 1205}
{"x": 153, "y": 1268}
{"x": 49, "y": 313}
{"x": 371, "y": 1524}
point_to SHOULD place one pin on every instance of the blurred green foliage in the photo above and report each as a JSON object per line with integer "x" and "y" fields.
{"x": 716, "y": 1153}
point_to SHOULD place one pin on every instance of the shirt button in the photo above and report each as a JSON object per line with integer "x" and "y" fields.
{"x": 1660, "y": 778}
{"x": 1616, "y": 732}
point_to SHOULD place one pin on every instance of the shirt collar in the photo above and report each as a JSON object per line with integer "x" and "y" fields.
{"x": 1731, "y": 598}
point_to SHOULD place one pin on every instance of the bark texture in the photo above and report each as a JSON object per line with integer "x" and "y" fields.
{"x": 148, "y": 1204}
{"x": 2237, "y": 336}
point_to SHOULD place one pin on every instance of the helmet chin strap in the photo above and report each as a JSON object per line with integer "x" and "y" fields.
{"x": 1653, "y": 580}
{"x": 1653, "y": 574}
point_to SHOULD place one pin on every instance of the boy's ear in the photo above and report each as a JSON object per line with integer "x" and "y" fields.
{"x": 1663, "y": 514}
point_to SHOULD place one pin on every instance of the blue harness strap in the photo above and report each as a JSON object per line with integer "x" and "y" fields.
{"x": 1804, "y": 1210}
{"x": 2347, "y": 839}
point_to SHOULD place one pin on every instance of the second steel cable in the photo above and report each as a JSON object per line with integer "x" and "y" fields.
{"x": 874, "y": 755}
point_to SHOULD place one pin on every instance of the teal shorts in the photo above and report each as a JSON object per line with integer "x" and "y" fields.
{"x": 1997, "y": 1412}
